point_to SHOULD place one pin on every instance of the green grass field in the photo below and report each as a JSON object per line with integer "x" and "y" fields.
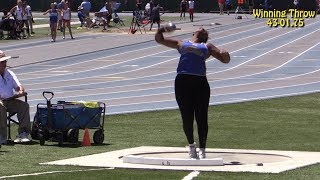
{"x": 290, "y": 123}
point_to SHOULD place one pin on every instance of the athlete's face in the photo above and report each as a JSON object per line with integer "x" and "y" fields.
{"x": 201, "y": 34}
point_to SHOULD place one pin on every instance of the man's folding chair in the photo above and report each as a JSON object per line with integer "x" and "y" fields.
{"x": 10, "y": 116}
{"x": 116, "y": 18}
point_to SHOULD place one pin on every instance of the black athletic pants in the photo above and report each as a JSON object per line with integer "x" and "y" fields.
{"x": 192, "y": 95}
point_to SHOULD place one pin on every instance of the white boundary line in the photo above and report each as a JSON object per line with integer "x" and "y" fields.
{"x": 52, "y": 172}
{"x": 192, "y": 175}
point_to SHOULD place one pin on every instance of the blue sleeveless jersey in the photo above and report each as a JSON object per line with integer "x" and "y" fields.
{"x": 192, "y": 59}
{"x": 53, "y": 15}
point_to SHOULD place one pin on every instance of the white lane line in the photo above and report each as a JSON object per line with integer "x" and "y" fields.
{"x": 286, "y": 52}
{"x": 59, "y": 71}
{"x": 51, "y": 172}
{"x": 282, "y": 78}
{"x": 265, "y": 54}
{"x": 192, "y": 175}
{"x": 172, "y": 94}
{"x": 130, "y": 52}
{"x": 141, "y": 84}
{"x": 121, "y": 62}
{"x": 48, "y": 44}
{"x": 96, "y": 36}
{"x": 272, "y": 68}
{"x": 214, "y": 103}
{"x": 267, "y": 97}
{"x": 173, "y": 71}
{"x": 264, "y": 89}
{"x": 211, "y": 97}
{"x": 239, "y": 56}
{"x": 146, "y": 66}
{"x": 135, "y": 58}
{"x": 134, "y": 65}
{"x": 97, "y": 59}
{"x": 209, "y": 82}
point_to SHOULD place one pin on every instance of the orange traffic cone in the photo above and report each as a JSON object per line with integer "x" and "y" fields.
{"x": 86, "y": 138}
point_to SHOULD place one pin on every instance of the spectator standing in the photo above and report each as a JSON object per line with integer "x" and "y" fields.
{"x": 151, "y": 6}
{"x": 18, "y": 12}
{"x": 148, "y": 8}
{"x": 183, "y": 9}
{"x": 155, "y": 16}
{"x": 139, "y": 5}
{"x": 191, "y": 9}
{"x": 29, "y": 17}
{"x": 59, "y": 7}
{"x": 250, "y": 5}
{"x": 25, "y": 21}
{"x": 221, "y": 6}
{"x": 228, "y": 6}
{"x": 66, "y": 18}
{"x": 53, "y": 20}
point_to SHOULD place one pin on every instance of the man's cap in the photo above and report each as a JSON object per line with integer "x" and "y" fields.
{"x": 3, "y": 56}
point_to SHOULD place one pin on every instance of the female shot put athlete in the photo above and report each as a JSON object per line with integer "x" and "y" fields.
{"x": 192, "y": 89}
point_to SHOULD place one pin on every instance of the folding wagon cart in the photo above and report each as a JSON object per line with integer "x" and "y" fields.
{"x": 61, "y": 122}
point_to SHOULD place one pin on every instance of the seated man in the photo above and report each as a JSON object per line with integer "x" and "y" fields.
{"x": 99, "y": 19}
{"x": 8, "y": 83}
{"x": 108, "y": 12}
